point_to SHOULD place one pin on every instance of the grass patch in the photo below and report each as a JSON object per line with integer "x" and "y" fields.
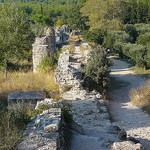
{"x": 12, "y": 126}
{"x": 145, "y": 73}
{"x": 140, "y": 96}
{"x": 116, "y": 83}
{"x": 72, "y": 49}
{"x": 20, "y": 81}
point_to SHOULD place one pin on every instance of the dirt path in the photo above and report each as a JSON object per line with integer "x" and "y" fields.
{"x": 133, "y": 119}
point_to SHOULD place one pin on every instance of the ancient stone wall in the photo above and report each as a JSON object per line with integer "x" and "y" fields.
{"x": 44, "y": 46}
{"x": 44, "y": 132}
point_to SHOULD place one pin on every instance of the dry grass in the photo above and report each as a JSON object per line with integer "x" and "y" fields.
{"x": 20, "y": 81}
{"x": 76, "y": 38}
{"x": 141, "y": 96}
{"x": 12, "y": 126}
{"x": 72, "y": 49}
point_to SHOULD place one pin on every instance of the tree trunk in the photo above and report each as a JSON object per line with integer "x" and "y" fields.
{"x": 5, "y": 69}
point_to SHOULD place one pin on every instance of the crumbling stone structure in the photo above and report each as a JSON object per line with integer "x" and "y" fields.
{"x": 45, "y": 132}
{"x": 44, "y": 46}
{"x": 62, "y": 34}
{"x": 27, "y": 99}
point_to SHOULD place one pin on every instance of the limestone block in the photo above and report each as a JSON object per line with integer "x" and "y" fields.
{"x": 25, "y": 99}
{"x": 46, "y": 101}
{"x": 42, "y": 132}
{"x": 126, "y": 145}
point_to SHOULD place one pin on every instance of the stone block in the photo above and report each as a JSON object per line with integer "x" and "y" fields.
{"x": 25, "y": 99}
{"x": 42, "y": 133}
{"x": 126, "y": 145}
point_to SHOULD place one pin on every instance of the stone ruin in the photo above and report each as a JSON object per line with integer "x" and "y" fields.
{"x": 89, "y": 112}
{"x": 62, "y": 34}
{"x": 45, "y": 45}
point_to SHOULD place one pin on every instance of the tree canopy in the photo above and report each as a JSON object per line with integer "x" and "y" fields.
{"x": 15, "y": 35}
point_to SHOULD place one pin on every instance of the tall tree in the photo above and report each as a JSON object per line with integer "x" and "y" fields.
{"x": 104, "y": 13}
{"x": 15, "y": 35}
{"x": 74, "y": 18}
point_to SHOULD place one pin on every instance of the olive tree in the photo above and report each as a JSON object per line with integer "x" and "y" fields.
{"x": 97, "y": 69}
{"x": 15, "y": 35}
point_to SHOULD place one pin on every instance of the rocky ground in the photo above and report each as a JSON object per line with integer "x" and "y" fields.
{"x": 132, "y": 119}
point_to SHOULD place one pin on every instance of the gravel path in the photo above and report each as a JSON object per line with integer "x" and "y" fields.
{"x": 134, "y": 120}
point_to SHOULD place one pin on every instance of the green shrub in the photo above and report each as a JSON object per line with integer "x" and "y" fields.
{"x": 142, "y": 28}
{"x": 132, "y": 31}
{"x": 148, "y": 56}
{"x": 143, "y": 39}
{"x": 137, "y": 53}
{"x": 47, "y": 64}
{"x": 97, "y": 69}
{"x": 115, "y": 36}
{"x": 118, "y": 48}
{"x": 96, "y": 35}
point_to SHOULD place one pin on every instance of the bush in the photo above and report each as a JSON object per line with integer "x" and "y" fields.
{"x": 96, "y": 35}
{"x": 142, "y": 28}
{"x": 131, "y": 30}
{"x": 118, "y": 48}
{"x": 115, "y": 36}
{"x": 143, "y": 39}
{"x": 97, "y": 69}
{"x": 137, "y": 53}
{"x": 148, "y": 55}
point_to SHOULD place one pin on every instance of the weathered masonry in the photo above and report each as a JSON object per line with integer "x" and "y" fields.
{"x": 43, "y": 47}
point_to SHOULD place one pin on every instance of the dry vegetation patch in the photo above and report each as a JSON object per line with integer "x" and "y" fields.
{"x": 141, "y": 96}
{"x": 12, "y": 124}
{"x": 20, "y": 81}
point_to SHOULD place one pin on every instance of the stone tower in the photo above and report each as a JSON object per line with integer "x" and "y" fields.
{"x": 44, "y": 46}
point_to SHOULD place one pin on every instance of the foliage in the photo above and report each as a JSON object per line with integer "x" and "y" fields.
{"x": 104, "y": 13}
{"x": 137, "y": 11}
{"x": 132, "y": 31}
{"x": 143, "y": 39}
{"x": 96, "y": 35}
{"x": 142, "y": 28}
{"x": 47, "y": 64}
{"x": 137, "y": 53}
{"x": 73, "y": 17}
{"x": 97, "y": 68}
{"x": 59, "y": 22}
{"x": 113, "y": 41}
{"x": 12, "y": 125}
{"x": 41, "y": 19}
{"x": 15, "y": 35}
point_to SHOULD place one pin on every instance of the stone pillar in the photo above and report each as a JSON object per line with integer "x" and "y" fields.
{"x": 39, "y": 51}
{"x": 44, "y": 46}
